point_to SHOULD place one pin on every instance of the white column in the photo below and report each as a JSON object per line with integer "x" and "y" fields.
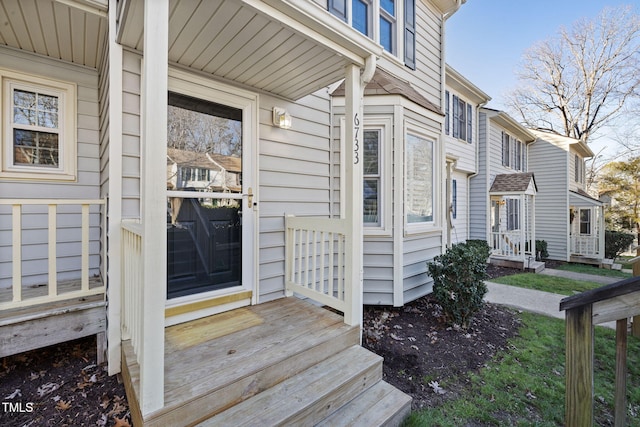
{"x": 353, "y": 179}
{"x": 523, "y": 227}
{"x": 114, "y": 202}
{"x": 154, "y": 158}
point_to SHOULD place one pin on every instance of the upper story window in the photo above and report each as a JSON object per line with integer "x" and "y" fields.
{"x": 513, "y": 153}
{"x": 459, "y": 116}
{"x": 379, "y": 20}
{"x": 579, "y": 170}
{"x": 39, "y": 128}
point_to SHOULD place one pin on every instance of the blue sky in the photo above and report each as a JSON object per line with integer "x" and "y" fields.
{"x": 485, "y": 39}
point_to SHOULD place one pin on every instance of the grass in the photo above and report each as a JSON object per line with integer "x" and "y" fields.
{"x": 524, "y": 386}
{"x": 590, "y": 269}
{"x": 540, "y": 282}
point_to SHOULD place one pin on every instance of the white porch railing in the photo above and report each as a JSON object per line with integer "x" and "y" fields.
{"x": 53, "y": 290}
{"x": 132, "y": 277}
{"x": 511, "y": 244}
{"x": 315, "y": 264}
{"x": 585, "y": 245}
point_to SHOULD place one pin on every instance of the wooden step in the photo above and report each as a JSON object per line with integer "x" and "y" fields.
{"x": 310, "y": 396}
{"x": 203, "y": 379}
{"x": 381, "y": 405}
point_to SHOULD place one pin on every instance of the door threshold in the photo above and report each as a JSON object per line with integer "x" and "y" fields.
{"x": 185, "y": 311}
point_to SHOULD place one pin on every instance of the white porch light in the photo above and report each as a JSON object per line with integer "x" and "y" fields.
{"x": 281, "y": 118}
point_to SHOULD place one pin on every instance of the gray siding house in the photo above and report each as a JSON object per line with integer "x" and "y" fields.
{"x": 335, "y": 116}
{"x": 567, "y": 217}
{"x": 503, "y": 193}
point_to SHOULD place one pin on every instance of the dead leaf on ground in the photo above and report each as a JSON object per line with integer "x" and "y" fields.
{"x": 62, "y": 405}
{"x": 121, "y": 422}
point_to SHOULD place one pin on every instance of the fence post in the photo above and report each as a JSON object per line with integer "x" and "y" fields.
{"x": 579, "y": 367}
{"x": 635, "y": 325}
{"x": 620, "y": 411}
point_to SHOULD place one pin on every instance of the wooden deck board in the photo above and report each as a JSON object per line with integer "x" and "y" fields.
{"x": 41, "y": 290}
{"x": 215, "y": 374}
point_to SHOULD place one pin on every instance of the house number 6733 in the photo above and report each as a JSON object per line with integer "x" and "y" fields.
{"x": 356, "y": 143}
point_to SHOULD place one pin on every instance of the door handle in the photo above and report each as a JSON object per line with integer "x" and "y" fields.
{"x": 249, "y": 197}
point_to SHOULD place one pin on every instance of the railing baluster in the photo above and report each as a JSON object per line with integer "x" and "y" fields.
{"x": 330, "y": 273}
{"x": 314, "y": 263}
{"x": 52, "y": 239}
{"x": 322, "y": 287}
{"x": 85, "y": 247}
{"x": 17, "y": 252}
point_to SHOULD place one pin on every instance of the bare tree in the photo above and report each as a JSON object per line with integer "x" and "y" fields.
{"x": 579, "y": 81}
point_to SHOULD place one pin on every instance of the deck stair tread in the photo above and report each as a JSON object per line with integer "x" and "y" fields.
{"x": 382, "y": 404}
{"x": 309, "y": 397}
{"x": 296, "y": 366}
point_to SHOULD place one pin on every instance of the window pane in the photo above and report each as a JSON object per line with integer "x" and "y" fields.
{"x": 338, "y": 8}
{"x": 371, "y": 152}
{"x": 35, "y": 148}
{"x": 360, "y": 18}
{"x": 24, "y": 116}
{"x": 386, "y": 34}
{"x": 419, "y": 191}
{"x": 22, "y": 98}
{"x": 389, "y": 6}
{"x": 585, "y": 221}
{"x": 371, "y": 206}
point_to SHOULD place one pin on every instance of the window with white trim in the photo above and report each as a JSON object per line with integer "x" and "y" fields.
{"x": 585, "y": 221}
{"x": 380, "y": 20}
{"x": 419, "y": 188}
{"x": 579, "y": 170}
{"x": 372, "y": 177}
{"x": 460, "y": 114}
{"x": 38, "y": 138}
{"x": 513, "y": 214}
{"x": 513, "y": 153}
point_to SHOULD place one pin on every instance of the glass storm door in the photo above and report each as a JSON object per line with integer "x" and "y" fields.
{"x": 205, "y": 201}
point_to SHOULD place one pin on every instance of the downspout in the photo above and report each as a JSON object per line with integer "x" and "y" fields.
{"x": 443, "y": 72}
{"x": 368, "y": 71}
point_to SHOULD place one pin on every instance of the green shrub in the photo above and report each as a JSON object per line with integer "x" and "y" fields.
{"x": 541, "y": 250}
{"x": 458, "y": 277}
{"x": 616, "y": 242}
{"x": 482, "y": 245}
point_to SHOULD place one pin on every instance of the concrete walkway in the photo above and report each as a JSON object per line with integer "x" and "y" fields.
{"x": 540, "y": 302}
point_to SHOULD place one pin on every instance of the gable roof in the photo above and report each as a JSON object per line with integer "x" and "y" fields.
{"x": 513, "y": 183}
{"x": 384, "y": 83}
{"x": 190, "y": 158}
{"x": 564, "y": 142}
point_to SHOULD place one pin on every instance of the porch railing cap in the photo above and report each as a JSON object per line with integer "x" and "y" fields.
{"x": 623, "y": 287}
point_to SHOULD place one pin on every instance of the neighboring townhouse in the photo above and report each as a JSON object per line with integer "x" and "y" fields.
{"x": 503, "y": 193}
{"x": 567, "y": 217}
{"x": 86, "y": 214}
{"x": 463, "y": 101}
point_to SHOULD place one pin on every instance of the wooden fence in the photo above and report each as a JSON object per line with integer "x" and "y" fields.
{"x": 616, "y": 302}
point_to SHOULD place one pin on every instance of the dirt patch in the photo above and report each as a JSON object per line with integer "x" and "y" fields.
{"x": 426, "y": 358}
{"x": 60, "y": 385}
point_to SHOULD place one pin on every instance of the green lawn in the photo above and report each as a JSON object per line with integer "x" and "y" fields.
{"x": 590, "y": 269}
{"x": 524, "y": 386}
{"x": 558, "y": 285}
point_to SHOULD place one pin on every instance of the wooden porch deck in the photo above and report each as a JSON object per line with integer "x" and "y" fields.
{"x": 51, "y": 322}
{"x": 285, "y": 361}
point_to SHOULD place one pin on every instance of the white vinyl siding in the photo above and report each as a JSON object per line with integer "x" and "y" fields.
{"x": 86, "y": 186}
{"x": 549, "y": 163}
{"x": 478, "y": 186}
{"x": 294, "y": 178}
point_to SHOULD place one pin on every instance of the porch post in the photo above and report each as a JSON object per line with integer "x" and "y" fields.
{"x": 601, "y": 230}
{"x": 523, "y": 228}
{"x": 113, "y": 206}
{"x": 533, "y": 226}
{"x": 353, "y": 210}
{"x": 154, "y": 157}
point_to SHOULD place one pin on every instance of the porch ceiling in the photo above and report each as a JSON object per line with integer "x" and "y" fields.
{"x": 288, "y": 48}
{"x": 70, "y": 30}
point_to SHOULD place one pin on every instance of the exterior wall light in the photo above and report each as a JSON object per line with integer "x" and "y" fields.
{"x": 281, "y": 118}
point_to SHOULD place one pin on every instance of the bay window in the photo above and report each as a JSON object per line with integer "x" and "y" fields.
{"x": 419, "y": 188}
